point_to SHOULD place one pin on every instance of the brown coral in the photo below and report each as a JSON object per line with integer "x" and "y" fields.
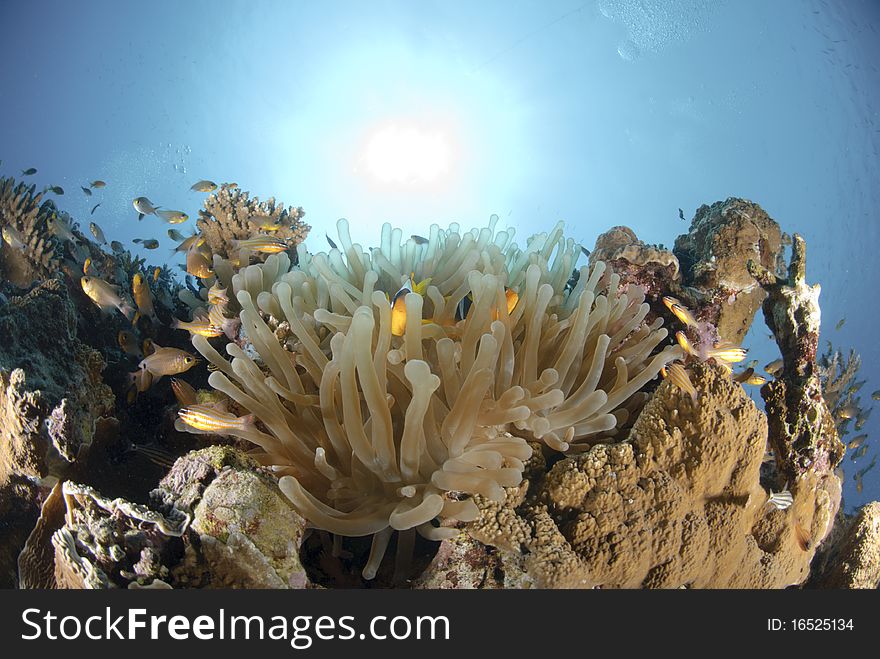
{"x": 652, "y": 267}
{"x": 20, "y": 210}
{"x": 230, "y": 214}
{"x": 678, "y": 504}
{"x": 853, "y": 561}
{"x": 714, "y": 257}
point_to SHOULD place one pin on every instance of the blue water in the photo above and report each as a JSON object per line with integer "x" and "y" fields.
{"x": 598, "y": 113}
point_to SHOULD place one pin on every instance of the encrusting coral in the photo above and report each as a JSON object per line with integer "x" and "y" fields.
{"x": 853, "y": 561}
{"x": 802, "y": 430}
{"x": 653, "y": 268}
{"x": 374, "y": 432}
{"x": 678, "y": 504}
{"x": 22, "y": 214}
{"x": 230, "y": 214}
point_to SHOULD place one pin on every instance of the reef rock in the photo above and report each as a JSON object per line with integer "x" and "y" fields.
{"x": 853, "y": 560}
{"x": 110, "y": 543}
{"x": 714, "y": 257}
{"x": 247, "y": 534}
{"x": 653, "y": 268}
{"x": 679, "y": 504}
{"x": 51, "y": 395}
{"x": 51, "y": 391}
{"x": 463, "y": 563}
{"x": 19, "y": 510}
{"x": 36, "y": 563}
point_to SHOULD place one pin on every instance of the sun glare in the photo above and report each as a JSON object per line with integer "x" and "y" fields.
{"x": 406, "y": 154}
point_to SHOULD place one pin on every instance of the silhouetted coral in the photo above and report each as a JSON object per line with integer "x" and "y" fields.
{"x": 21, "y": 211}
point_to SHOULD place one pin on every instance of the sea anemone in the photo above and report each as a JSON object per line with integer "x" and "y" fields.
{"x": 373, "y": 432}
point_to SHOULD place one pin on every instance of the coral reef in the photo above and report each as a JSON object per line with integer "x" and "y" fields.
{"x": 375, "y": 431}
{"x": 36, "y": 562}
{"x": 837, "y": 375}
{"x": 20, "y": 499}
{"x": 487, "y": 412}
{"x": 105, "y": 542}
{"x": 230, "y": 214}
{"x": 22, "y": 213}
{"x": 714, "y": 254}
{"x": 462, "y": 563}
{"x": 677, "y": 504}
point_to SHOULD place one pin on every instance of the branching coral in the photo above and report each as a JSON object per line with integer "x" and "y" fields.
{"x": 22, "y": 214}
{"x": 230, "y": 214}
{"x": 374, "y": 432}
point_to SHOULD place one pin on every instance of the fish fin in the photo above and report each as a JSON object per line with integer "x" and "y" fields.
{"x": 422, "y": 286}
{"x": 127, "y": 310}
{"x": 140, "y": 216}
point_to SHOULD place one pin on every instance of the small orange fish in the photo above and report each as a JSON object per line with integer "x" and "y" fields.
{"x": 128, "y": 343}
{"x": 142, "y": 296}
{"x": 198, "y": 264}
{"x": 727, "y": 352}
{"x": 512, "y": 298}
{"x": 217, "y": 295}
{"x": 156, "y": 273}
{"x": 682, "y": 339}
{"x": 141, "y": 380}
{"x": 681, "y": 312}
{"x": 194, "y": 240}
{"x": 87, "y": 264}
{"x": 398, "y": 303}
